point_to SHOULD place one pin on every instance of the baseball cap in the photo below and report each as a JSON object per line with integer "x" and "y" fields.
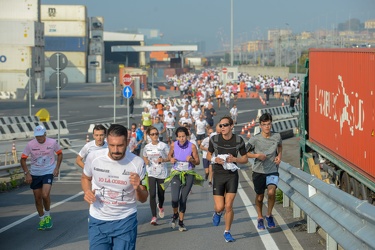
{"x": 39, "y": 130}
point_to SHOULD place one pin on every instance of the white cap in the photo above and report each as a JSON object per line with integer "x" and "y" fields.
{"x": 39, "y": 130}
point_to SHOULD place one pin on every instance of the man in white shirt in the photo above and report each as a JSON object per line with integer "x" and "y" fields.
{"x": 99, "y": 133}
{"x": 111, "y": 182}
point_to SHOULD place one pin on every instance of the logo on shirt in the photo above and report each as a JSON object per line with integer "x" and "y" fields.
{"x": 101, "y": 170}
{"x": 126, "y": 172}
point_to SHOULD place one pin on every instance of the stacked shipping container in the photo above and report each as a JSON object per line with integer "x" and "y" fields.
{"x": 96, "y": 51}
{"x": 66, "y": 31}
{"x": 22, "y": 46}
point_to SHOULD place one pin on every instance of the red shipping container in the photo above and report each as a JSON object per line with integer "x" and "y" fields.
{"x": 342, "y": 105}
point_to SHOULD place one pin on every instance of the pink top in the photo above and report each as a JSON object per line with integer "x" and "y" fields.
{"x": 42, "y": 155}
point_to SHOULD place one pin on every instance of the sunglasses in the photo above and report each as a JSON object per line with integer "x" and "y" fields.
{"x": 154, "y": 134}
{"x": 224, "y": 125}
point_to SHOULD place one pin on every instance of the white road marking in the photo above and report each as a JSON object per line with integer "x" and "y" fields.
{"x": 267, "y": 241}
{"x": 35, "y": 214}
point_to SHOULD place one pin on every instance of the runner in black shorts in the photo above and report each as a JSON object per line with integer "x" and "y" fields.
{"x": 266, "y": 149}
{"x": 225, "y": 175}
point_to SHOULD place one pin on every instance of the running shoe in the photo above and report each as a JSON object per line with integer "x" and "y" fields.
{"x": 216, "y": 219}
{"x": 153, "y": 221}
{"x": 161, "y": 211}
{"x": 48, "y": 222}
{"x": 261, "y": 224}
{"x": 181, "y": 227}
{"x": 228, "y": 237}
{"x": 270, "y": 222}
{"x": 42, "y": 224}
{"x": 210, "y": 184}
{"x": 173, "y": 221}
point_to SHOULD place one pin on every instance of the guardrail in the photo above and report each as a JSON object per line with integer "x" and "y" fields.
{"x": 348, "y": 221}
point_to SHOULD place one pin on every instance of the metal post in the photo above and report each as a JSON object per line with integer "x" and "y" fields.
{"x": 127, "y": 100}
{"x": 114, "y": 99}
{"x": 231, "y": 33}
{"x": 30, "y": 79}
{"x": 58, "y": 101}
{"x": 296, "y": 61}
{"x": 152, "y": 81}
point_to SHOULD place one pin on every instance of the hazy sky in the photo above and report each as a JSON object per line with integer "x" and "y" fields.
{"x": 209, "y": 20}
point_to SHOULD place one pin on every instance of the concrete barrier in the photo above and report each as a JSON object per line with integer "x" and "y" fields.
{"x": 279, "y": 113}
{"x": 26, "y": 130}
{"x": 91, "y": 127}
{"x": 285, "y": 127}
{"x": 65, "y": 143}
{"x": 17, "y": 119}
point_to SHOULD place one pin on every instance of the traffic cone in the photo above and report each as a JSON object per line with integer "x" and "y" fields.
{"x": 248, "y": 134}
{"x": 249, "y": 125}
{"x": 245, "y": 127}
{"x": 243, "y": 131}
{"x": 87, "y": 139}
{"x": 253, "y": 122}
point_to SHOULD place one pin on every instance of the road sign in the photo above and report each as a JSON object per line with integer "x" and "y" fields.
{"x": 225, "y": 70}
{"x": 127, "y": 79}
{"x": 127, "y": 92}
{"x": 63, "y": 61}
{"x": 63, "y": 80}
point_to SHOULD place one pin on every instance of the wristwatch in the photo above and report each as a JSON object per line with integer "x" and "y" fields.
{"x": 28, "y": 171}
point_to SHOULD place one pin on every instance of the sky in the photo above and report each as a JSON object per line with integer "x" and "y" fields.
{"x": 209, "y": 20}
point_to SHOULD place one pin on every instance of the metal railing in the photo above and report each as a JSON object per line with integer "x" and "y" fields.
{"x": 348, "y": 221}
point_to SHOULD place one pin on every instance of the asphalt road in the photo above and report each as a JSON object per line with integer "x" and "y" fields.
{"x": 82, "y": 105}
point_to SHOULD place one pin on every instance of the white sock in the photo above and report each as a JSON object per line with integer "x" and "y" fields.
{"x": 46, "y": 213}
{"x": 41, "y": 217}
{"x": 226, "y": 231}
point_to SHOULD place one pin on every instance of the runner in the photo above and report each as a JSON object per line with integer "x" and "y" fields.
{"x": 266, "y": 148}
{"x": 46, "y": 157}
{"x": 184, "y": 157}
{"x": 223, "y": 150}
{"x": 155, "y": 155}
{"x": 99, "y": 133}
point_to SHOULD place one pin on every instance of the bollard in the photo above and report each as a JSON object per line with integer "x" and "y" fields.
{"x": 14, "y": 153}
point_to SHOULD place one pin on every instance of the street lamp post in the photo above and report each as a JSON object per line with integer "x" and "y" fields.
{"x": 231, "y": 33}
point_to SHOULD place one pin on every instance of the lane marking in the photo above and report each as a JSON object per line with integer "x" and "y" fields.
{"x": 36, "y": 213}
{"x": 264, "y": 235}
{"x": 286, "y": 230}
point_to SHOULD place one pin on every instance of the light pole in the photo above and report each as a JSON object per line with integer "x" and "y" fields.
{"x": 231, "y": 33}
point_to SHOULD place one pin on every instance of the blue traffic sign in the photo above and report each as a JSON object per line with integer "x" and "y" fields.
{"x": 127, "y": 92}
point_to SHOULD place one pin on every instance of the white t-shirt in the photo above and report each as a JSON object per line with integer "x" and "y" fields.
{"x": 89, "y": 147}
{"x": 115, "y": 196}
{"x": 153, "y": 152}
{"x": 201, "y": 127}
{"x": 185, "y": 120}
{"x": 205, "y": 144}
{"x": 233, "y": 112}
{"x": 195, "y": 113}
{"x": 169, "y": 122}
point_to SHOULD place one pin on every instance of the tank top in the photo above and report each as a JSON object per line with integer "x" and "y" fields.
{"x": 180, "y": 155}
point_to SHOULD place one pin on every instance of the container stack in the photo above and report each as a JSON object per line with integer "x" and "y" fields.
{"x": 96, "y": 51}
{"x": 22, "y": 48}
{"x": 66, "y": 31}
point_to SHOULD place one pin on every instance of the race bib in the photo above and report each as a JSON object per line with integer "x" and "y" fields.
{"x": 146, "y": 118}
{"x": 182, "y": 166}
{"x": 154, "y": 170}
